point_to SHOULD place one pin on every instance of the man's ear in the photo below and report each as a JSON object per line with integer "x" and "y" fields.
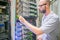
{"x": 47, "y": 7}
{"x": 48, "y": 3}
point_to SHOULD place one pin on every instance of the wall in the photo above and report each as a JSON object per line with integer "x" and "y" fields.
{"x": 55, "y": 7}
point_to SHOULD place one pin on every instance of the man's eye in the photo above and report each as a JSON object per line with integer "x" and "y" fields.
{"x": 42, "y": 5}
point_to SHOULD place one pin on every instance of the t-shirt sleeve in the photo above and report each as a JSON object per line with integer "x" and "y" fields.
{"x": 49, "y": 25}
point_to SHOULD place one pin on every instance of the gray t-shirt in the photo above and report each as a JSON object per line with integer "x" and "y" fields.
{"x": 50, "y": 26}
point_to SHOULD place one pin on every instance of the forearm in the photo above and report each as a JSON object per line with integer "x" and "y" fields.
{"x": 34, "y": 29}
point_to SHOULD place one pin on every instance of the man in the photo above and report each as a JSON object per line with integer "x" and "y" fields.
{"x": 49, "y": 25}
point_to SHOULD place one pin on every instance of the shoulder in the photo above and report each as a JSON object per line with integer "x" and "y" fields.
{"x": 54, "y": 15}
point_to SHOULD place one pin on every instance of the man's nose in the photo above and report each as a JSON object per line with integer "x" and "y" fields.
{"x": 39, "y": 8}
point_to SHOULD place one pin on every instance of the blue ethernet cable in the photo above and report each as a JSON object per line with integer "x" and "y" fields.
{"x": 18, "y": 30}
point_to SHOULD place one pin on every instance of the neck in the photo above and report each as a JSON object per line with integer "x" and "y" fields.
{"x": 47, "y": 12}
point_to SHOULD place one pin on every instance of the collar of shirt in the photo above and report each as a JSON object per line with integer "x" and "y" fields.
{"x": 44, "y": 16}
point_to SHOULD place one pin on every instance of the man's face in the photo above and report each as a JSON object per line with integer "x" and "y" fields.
{"x": 42, "y": 6}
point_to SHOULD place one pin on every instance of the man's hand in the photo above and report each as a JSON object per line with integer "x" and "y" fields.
{"x": 22, "y": 20}
{"x": 39, "y": 38}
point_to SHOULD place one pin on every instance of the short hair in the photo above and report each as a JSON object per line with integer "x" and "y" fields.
{"x": 48, "y": 1}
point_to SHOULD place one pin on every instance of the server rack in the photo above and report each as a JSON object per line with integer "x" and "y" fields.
{"x": 5, "y": 33}
{"x": 28, "y": 10}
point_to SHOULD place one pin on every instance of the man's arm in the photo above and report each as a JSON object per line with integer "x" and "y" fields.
{"x": 32, "y": 28}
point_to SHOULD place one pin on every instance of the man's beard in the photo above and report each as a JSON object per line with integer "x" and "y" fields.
{"x": 43, "y": 11}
